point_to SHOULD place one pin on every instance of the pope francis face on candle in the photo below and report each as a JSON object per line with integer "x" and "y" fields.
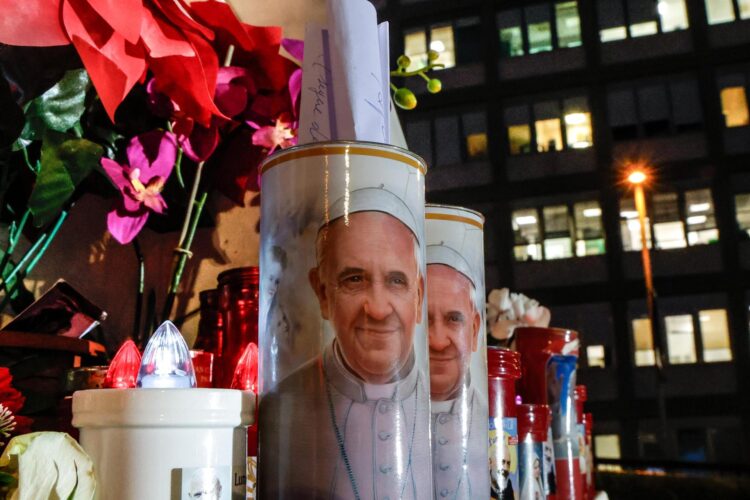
{"x": 370, "y": 289}
{"x": 454, "y": 327}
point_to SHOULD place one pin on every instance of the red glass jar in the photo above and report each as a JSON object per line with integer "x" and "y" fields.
{"x": 533, "y": 422}
{"x": 210, "y": 325}
{"x": 503, "y": 370}
{"x": 550, "y": 355}
{"x": 238, "y": 290}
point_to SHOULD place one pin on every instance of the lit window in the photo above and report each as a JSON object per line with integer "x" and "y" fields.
{"x": 589, "y": 233}
{"x": 519, "y": 138}
{"x": 415, "y": 46}
{"x": 611, "y": 20}
{"x": 441, "y": 41}
{"x": 680, "y": 339}
{"x": 527, "y": 235}
{"x": 613, "y": 34}
{"x": 630, "y": 226}
{"x": 568, "y": 24}
{"x": 595, "y": 356}
{"x": 577, "y": 123}
{"x": 715, "y": 335}
{"x": 557, "y": 242}
{"x": 607, "y": 446}
{"x": 538, "y": 28}
{"x": 644, "y": 342}
{"x": 719, "y": 11}
{"x": 511, "y": 37}
{"x": 643, "y": 29}
{"x": 742, "y": 208}
{"x": 548, "y": 135}
{"x": 700, "y": 221}
{"x": 668, "y": 228}
{"x": 476, "y": 146}
{"x": 642, "y": 15}
{"x": 475, "y": 126}
{"x": 744, "y": 9}
{"x": 672, "y": 14}
{"x": 734, "y": 107}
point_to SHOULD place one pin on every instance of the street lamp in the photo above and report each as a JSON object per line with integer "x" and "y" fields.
{"x": 637, "y": 178}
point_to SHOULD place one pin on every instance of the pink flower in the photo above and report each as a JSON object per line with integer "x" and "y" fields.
{"x": 280, "y": 135}
{"x": 151, "y": 157}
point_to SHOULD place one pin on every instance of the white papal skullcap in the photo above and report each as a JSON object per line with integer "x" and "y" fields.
{"x": 375, "y": 199}
{"x": 443, "y": 254}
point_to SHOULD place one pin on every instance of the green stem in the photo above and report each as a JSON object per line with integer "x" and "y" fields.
{"x": 14, "y": 235}
{"x": 421, "y": 73}
{"x": 27, "y": 161}
{"x": 178, "y": 168}
{"x": 42, "y": 244}
{"x": 182, "y": 254}
{"x": 393, "y": 87}
{"x": 406, "y": 74}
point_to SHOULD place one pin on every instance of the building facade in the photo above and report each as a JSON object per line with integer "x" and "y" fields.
{"x": 545, "y": 105}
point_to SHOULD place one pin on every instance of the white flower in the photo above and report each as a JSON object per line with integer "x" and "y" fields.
{"x": 506, "y": 311}
{"x": 7, "y": 422}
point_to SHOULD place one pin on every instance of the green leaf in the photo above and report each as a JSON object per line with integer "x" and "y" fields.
{"x": 60, "y": 108}
{"x": 7, "y": 479}
{"x": 66, "y": 161}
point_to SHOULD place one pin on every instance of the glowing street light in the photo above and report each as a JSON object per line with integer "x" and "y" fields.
{"x": 637, "y": 177}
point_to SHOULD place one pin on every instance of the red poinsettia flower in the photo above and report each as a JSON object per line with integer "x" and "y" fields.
{"x": 119, "y": 41}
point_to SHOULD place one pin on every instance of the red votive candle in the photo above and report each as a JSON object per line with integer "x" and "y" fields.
{"x": 503, "y": 370}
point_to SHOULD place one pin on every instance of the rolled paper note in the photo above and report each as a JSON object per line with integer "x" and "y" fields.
{"x": 166, "y": 362}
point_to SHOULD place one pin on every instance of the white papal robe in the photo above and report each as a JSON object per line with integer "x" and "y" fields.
{"x": 325, "y": 434}
{"x": 460, "y": 446}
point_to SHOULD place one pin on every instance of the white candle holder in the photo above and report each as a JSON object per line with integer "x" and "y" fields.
{"x": 166, "y": 443}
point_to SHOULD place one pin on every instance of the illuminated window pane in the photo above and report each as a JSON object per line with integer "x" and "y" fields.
{"x": 474, "y": 128}
{"x": 668, "y": 228}
{"x": 715, "y": 335}
{"x": 701, "y": 222}
{"x": 673, "y": 15}
{"x": 734, "y": 107}
{"x": 511, "y": 37}
{"x": 589, "y": 233}
{"x": 557, "y": 241}
{"x": 415, "y": 46}
{"x": 644, "y": 342}
{"x": 595, "y": 356}
{"x": 680, "y": 339}
{"x": 538, "y": 28}
{"x": 719, "y": 11}
{"x": 643, "y": 29}
{"x": 568, "y": 24}
{"x": 744, "y": 9}
{"x": 607, "y": 446}
{"x": 519, "y": 138}
{"x": 578, "y": 130}
{"x": 742, "y": 209}
{"x": 630, "y": 227}
{"x": 527, "y": 235}
{"x": 476, "y": 146}
{"x": 611, "y": 20}
{"x": 441, "y": 41}
{"x": 511, "y": 41}
{"x": 613, "y": 34}
{"x": 548, "y": 135}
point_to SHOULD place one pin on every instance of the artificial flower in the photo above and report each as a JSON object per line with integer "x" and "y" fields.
{"x": 48, "y": 465}
{"x": 151, "y": 157}
{"x": 11, "y": 403}
{"x": 118, "y": 41}
{"x": 506, "y": 311}
{"x": 280, "y": 135}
